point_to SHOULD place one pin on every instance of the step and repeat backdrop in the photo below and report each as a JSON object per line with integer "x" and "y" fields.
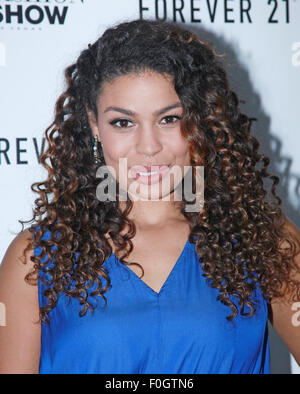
{"x": 40, "y": 38}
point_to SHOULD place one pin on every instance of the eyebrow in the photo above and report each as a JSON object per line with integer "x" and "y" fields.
{"x": 132, "y": 113}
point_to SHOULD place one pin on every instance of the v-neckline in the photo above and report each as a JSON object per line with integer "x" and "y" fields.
{"x": 143, "y": 283}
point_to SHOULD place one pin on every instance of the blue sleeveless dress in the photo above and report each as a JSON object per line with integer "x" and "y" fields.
{"x": 180, "y": 330}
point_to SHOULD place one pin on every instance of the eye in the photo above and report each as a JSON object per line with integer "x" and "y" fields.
{"x": 122, "y": 122}
{"x": 172, "y": 117}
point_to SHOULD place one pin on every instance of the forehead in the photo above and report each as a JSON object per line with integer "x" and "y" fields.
{"x": 147, "y": 86}
{"x": 139, "y": 77}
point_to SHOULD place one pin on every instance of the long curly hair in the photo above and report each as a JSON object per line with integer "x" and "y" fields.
{"x": 238, "y": 232}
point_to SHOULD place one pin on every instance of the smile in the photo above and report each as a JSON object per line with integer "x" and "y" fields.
{"x": 147, "y": 173}
{"x": 154, "y": 174}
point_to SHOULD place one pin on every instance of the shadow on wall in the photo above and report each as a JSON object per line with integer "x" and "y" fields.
{"x": 271, "y": 146}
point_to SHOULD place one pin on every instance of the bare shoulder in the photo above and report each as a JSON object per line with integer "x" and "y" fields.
{"x": 291, "y": 228}
{"x": 20, "y": 328}
{"x": 284, "y": 311}
{"x": 17, "y": 261}
{"x": 15, "y": 250}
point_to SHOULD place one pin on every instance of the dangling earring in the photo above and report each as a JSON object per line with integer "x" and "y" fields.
{"x": 97, "y": 158}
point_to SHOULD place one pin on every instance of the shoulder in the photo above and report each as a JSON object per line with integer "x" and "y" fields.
{"x": 291, "y": 229}
{"x": 283, "y": 311}
{"x": 18, "y": 253}
{"x": 292, "y": 234}
{"x": 290, "y": 241}
{"x": 20, "y": 333}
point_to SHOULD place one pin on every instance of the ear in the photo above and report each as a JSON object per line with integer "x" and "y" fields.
{"x": 92, "y": 122}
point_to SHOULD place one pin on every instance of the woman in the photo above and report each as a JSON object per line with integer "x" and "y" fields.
{"x": 146, "y": 285}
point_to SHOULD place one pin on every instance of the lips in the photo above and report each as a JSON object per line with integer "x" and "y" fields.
{"x": 146, "y": 168}
{"x": 154, "y": 176}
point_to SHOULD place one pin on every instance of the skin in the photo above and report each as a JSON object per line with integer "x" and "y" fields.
{"x": 147, "y": 138}
{"x": 144, "y": 138}
{"x": 284, "y": 314}
{"x": 158, "y": 223}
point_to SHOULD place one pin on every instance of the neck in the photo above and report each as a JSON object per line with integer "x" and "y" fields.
{"x": 154, "y": 213}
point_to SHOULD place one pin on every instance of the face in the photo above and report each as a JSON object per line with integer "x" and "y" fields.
{"x": 138, "y": 123}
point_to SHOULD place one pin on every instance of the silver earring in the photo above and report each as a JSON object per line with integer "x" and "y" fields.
{"x": 96, "y": 152}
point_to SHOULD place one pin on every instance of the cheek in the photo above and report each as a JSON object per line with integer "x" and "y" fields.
{"x": 180, "y": 150}
{"x": 113, "y": 149}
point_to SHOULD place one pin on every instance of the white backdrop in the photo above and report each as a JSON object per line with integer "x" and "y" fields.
{"x": 39, "y": 38}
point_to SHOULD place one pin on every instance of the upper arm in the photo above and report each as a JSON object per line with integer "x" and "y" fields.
{"x": 285, "y": 313}
{"x": 20, "y": 336}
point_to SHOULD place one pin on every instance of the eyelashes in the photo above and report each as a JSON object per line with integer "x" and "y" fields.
{"x": 124, "y": 120}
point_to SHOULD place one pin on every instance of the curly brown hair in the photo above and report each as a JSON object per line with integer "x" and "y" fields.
{"x": 237, "y": 234}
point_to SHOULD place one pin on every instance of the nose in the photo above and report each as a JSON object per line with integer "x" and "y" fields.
{"x": 148, "y": 142}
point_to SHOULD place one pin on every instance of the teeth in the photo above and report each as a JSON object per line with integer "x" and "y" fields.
{"x": 147, "y": 173}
